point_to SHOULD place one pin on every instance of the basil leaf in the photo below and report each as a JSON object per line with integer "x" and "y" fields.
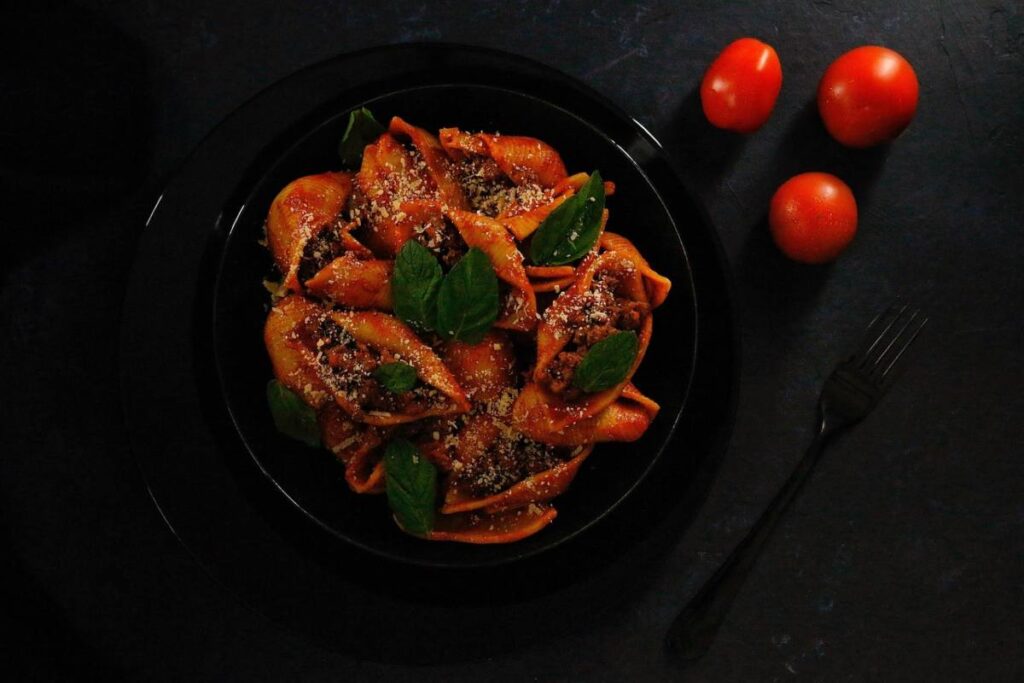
{"x": 467, "y": 303}
{"x": 414, "y": 284}
{"x": 396, "y": 377}
{"x": 571, "y": 230}
{"x": 292, "y": 416}
{"x": 607, "y": 362}
{"x": 411, "y": 486}
{"x": 362, "y": 129}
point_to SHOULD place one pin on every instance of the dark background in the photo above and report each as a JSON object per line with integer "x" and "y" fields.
{"x": 903, "y": 559}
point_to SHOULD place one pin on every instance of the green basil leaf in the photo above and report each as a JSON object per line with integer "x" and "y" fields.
{"x": 467, "y": 302}
{"x": 414, "y": 285}
{"x": 362, "y": 129}
{"x": 607, "y": 362}
{"x": 411, "y": 486}
{"x": 571, "y": 230}
{"x": 292, "y": 416}
{"x": 396, "y": 377}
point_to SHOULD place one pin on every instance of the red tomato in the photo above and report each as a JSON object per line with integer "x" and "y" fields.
{"x": 813, "y": 217}
{"x": 868, "y": 96}
{"x": 740, "y": 87}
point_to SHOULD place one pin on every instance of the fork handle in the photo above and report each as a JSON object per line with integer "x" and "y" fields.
{"x": 693, "y": 631}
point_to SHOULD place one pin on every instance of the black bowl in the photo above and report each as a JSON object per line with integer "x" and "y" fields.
{"x": 312, "y": 479}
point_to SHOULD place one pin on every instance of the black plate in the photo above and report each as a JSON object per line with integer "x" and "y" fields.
{"x": 195, "y": 295}
{"x": 312, "y": 480}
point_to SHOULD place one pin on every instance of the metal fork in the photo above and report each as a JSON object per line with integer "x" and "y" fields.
{"x": 850, "y": 393}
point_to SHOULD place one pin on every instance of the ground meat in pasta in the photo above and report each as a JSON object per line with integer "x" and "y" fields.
{"x": 321, "y": 249}
{"x": 491, "y": 193}
{"x": 503, "y": 462}
{"x": 347, "y": 366}
{"x": 441, "y": 237}
{"x": 598, "y": 314}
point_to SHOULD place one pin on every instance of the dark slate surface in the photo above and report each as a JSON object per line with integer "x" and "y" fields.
{"x": 904, "y": 558}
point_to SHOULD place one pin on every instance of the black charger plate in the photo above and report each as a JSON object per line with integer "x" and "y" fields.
{"x": 313, "y": 480}
{"x": 192, "y": 356}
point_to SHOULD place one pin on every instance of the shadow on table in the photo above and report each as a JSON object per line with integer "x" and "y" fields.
{"x": 705, "y": 151}
{"x": 75, "y": 137}
{"x": 40, "y": 642}
{"x": 774, "y": 286}
{"x": 807, "y": 146}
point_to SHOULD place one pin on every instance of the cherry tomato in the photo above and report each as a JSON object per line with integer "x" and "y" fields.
{"x": 813, "y": 217}
{"x": 868, "y": 96}
{"x": 740, "y": 87}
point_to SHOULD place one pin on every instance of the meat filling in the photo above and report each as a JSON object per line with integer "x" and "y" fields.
{"x": 347, "y": 366}
{"x": 506, "y": 460}
{"x": 598, "y": 314}
{"x": 319, "y": 250}
{"x": 441, "y": 237}
{"x": 491, "y": 193}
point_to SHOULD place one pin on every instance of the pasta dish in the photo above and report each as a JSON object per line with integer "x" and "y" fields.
{"x": 455, "y": 323}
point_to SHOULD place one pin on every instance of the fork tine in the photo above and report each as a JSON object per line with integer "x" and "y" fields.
{"x": 906, "y": 345}
{"x": 895, "y": 338}
{"x": 864, "y": 355}
{"x": 869, "y": 331}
